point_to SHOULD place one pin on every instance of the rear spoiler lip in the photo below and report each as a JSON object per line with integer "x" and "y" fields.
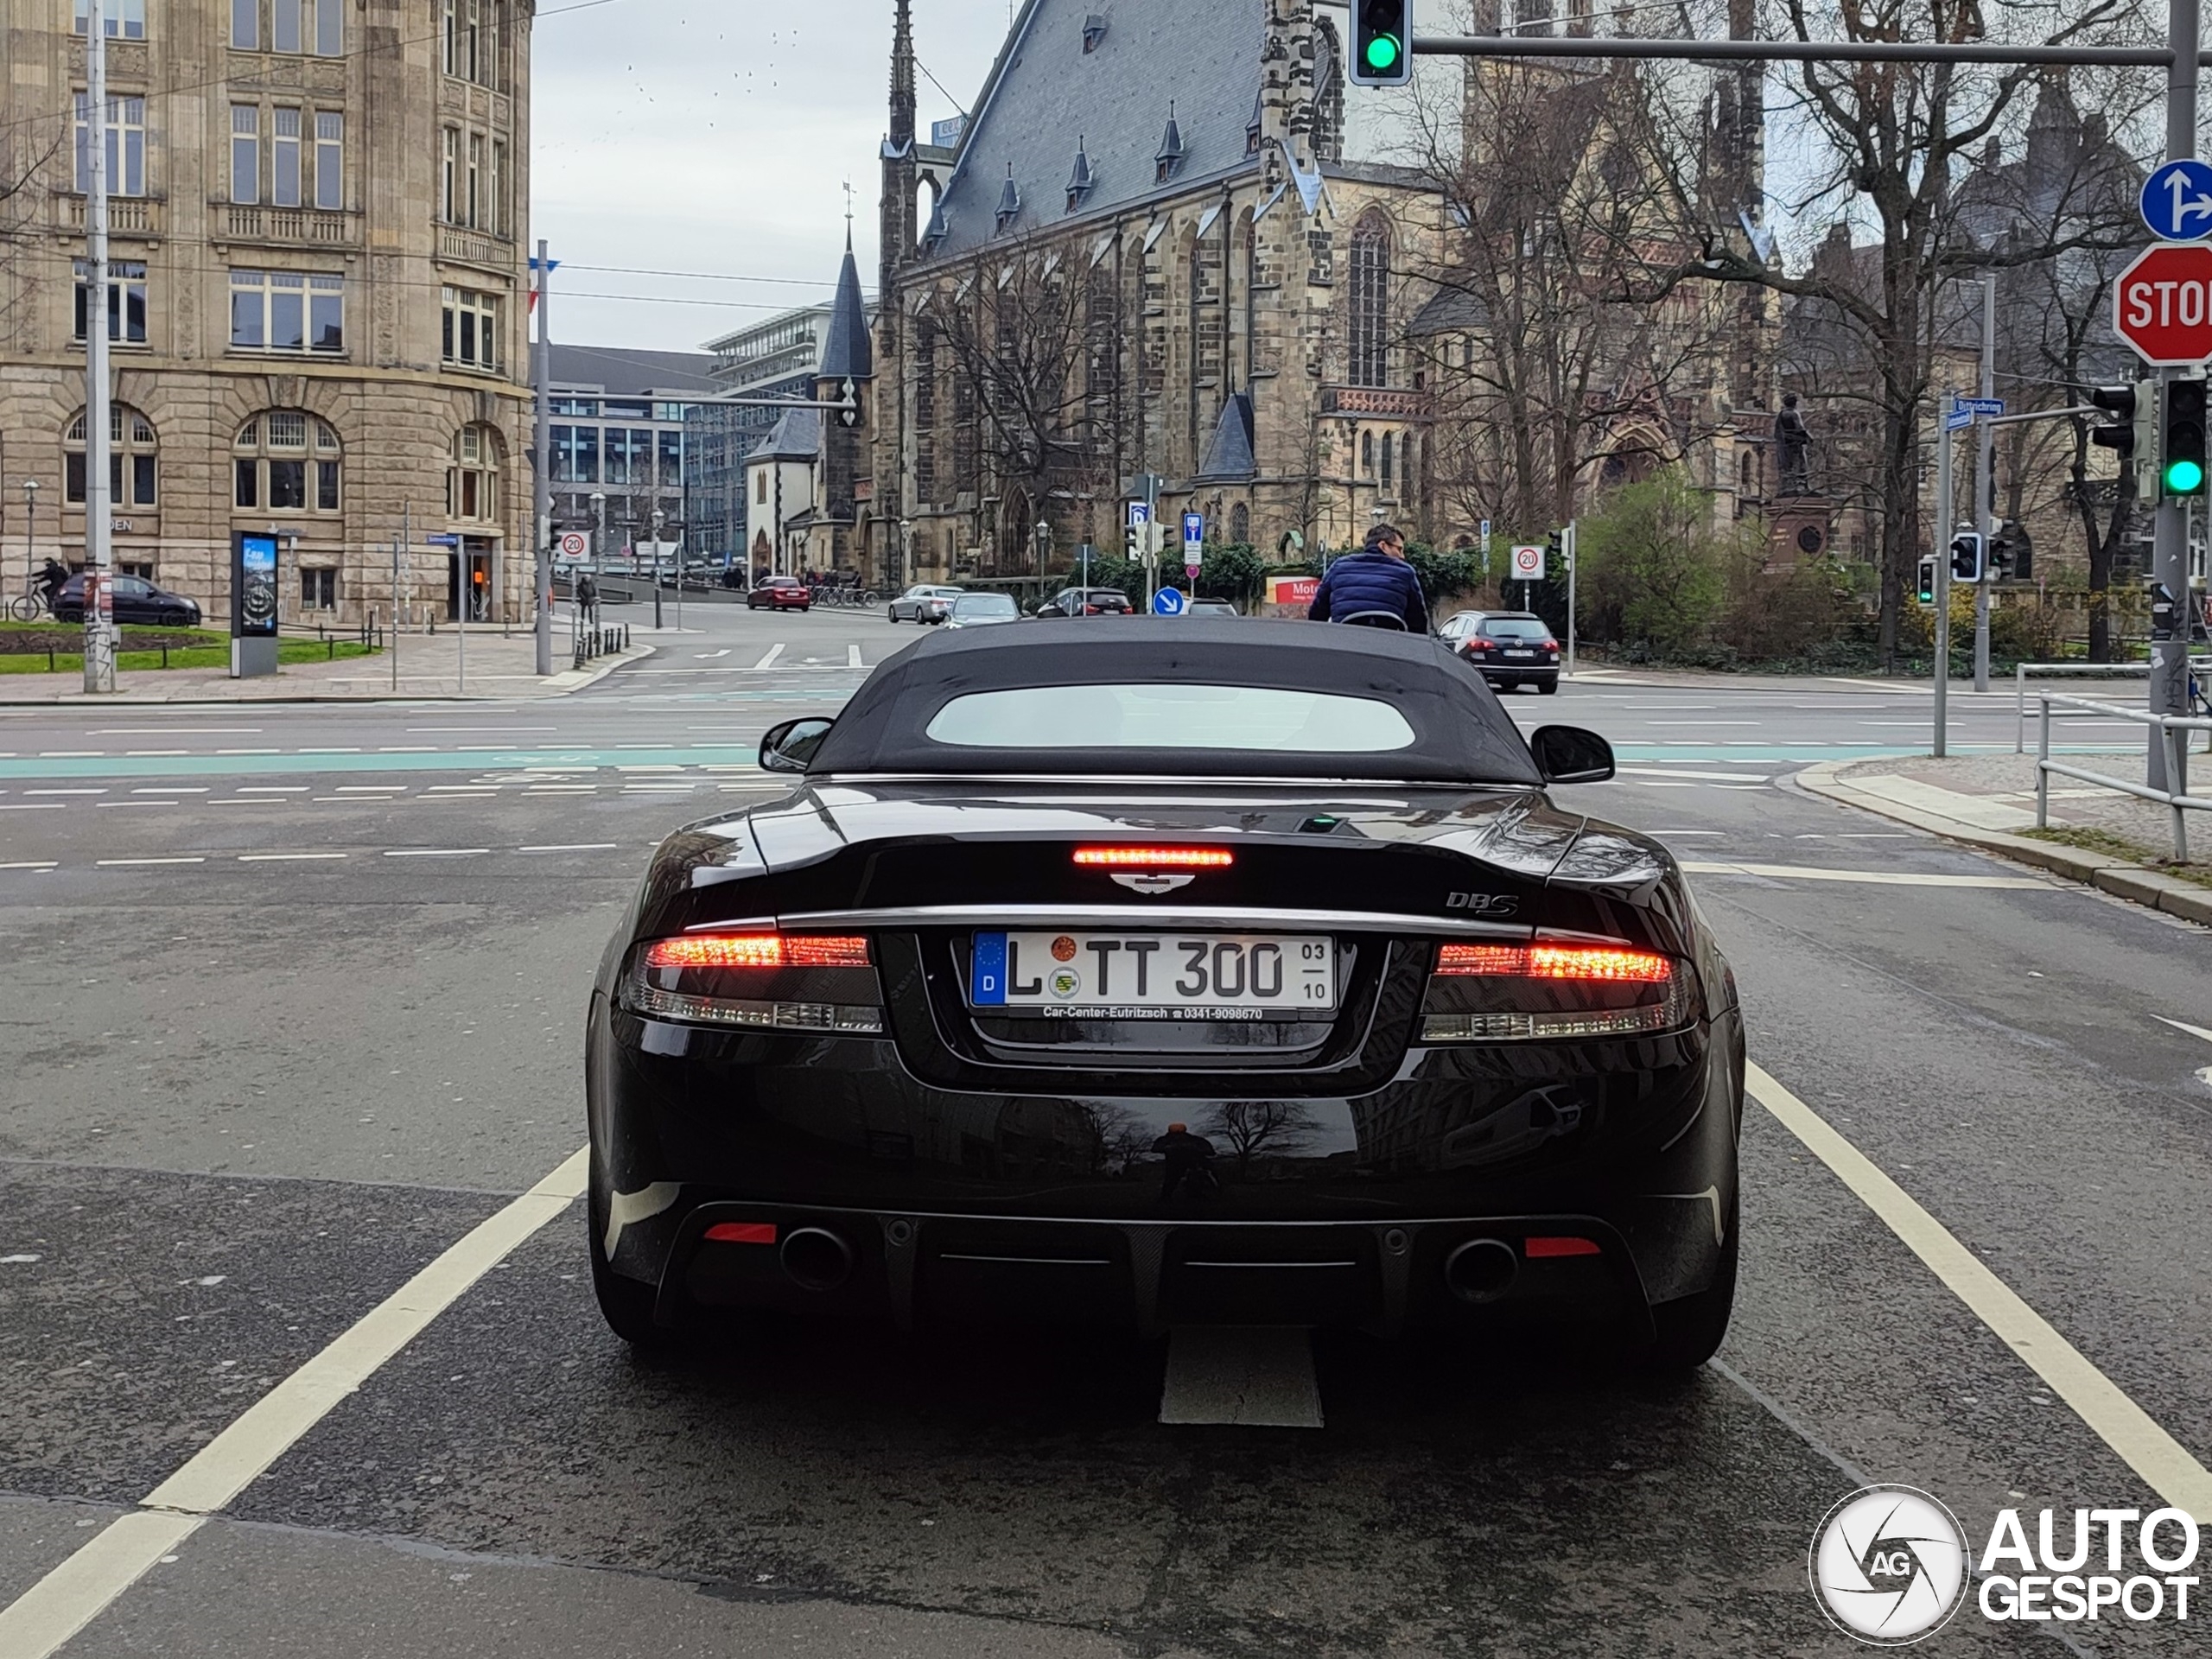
{"x": 1238, "y": 918}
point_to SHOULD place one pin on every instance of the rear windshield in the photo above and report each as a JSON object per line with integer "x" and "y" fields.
{"x": 1238, "y": 717}
{"x": 985, "y": 604}
{"x": 1515, "y": 627}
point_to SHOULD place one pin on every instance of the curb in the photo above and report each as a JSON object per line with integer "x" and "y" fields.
{"x": 2118, "y": 877}
{"x": 575, "y": 679}
{"x": 561, "y": 684}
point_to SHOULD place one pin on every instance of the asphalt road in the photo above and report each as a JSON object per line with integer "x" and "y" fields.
{"x": 292, "y": 1005}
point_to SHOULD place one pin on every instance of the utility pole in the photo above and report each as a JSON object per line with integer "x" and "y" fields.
{"x": 1568, "y": 542}
{"x": 99, "y": 632}
{"x": 2170, "y": 538}
{"x": 398, "y": 542}
{"x": 542, "y": 506}
{"x": 1943, "y": 493}
{"x": 1984, "y": 474}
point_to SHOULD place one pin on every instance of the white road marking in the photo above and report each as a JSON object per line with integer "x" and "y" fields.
{"x": 272, "y": 789}
{"x": 103, "y": 863}
{"x": 284, "y": 858}
{"x": 34, "y": 806}
{"x": 74, "y": 1593}
{"x": 172, "y": 789}
{"x": 435, "y": 852}
{"x": 72, "y": 755}
{"x": 2194, "y": 1031}
{"x": 2165, "y": 1466}
{"x": 30, "y": 864}
{"x": 574, "y": 847}
{"x": 1257, "y": 1376}
{"x": 853, "y": 657}
{"x": 1685, "y": 772}
{"x": 325, "y": 751}
{"x": 174, "y": 731}
{"x": 65, "y": 791}
{"x": 145, "y": 754}
{"x": 1888, "y": 878}
{"x": 249, "y": 750}
{"x": 774, "y": 651}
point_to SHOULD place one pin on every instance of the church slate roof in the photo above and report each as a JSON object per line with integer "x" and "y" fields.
{"x": 1205, "y": 58}
{"x": 1229, "y": 455}
{"x": 846, "y": 354}
{"x": 797, "y": 435}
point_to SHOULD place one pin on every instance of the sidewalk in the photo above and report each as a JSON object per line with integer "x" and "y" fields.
{"x": 1988, "y": 802}
{"x": 490, "y": 662}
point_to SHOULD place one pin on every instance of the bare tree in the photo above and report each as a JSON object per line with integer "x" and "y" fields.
{"x": 1251, "y": 1127}
{"x": 29, "y": 145}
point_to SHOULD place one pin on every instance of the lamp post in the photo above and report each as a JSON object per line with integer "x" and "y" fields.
{"x": 659, "y": 518}
{"x": 906, "y": 553}
{"x": 30, "y": 528}
{"x": 1044, "y": 545}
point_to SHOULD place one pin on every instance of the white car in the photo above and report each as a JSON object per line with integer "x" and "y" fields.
{"x": 923, "y": 603}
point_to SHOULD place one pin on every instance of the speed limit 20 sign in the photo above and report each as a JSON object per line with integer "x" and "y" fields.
{"x": 1528, "y": 562}
{"x": 575, "y": 545}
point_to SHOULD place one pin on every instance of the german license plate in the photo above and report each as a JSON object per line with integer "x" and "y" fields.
{"x": 1155, "y": 976}
{"x": 1520, "y": 653}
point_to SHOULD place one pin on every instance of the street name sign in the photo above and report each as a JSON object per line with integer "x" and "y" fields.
{"x": 1957, "y": 418}
{"x": 442, "y": 539}
{"x": 2177, "y": 200}
{"x": 1980, "y": 405}
{"x": 2162, "y": 305}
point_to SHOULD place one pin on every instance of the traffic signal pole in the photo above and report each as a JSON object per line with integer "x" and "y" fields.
{"x": 2170, "y": 532}
{"x": 1940, "y": 743}
{"x": 1984, "y": 481}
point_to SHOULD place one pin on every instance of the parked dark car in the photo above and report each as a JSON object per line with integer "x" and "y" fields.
{"x": 780, "y": 593}
{"x": 137, "y": 600}
{"x": 1509, "y": 648}
{"x": 1174, "y": 973}
{"x": 1087, "y": 601}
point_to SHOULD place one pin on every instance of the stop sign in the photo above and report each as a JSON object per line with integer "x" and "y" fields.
{"x": 2163, "y": 303}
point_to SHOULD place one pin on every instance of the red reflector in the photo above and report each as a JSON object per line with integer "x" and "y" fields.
{"x": 1156, "y": 858}
{"x": 1616, "y": 964}
{"x": 1536, "y": 1247}
{"x": 759, "y": 950}
{"x": 746, "y": 1232}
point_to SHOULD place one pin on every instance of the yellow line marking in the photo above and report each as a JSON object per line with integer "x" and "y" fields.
{"x": 2165, "y": 1465}
{"x": 75, "y": 1593}
{"x": 1885, "y": 878}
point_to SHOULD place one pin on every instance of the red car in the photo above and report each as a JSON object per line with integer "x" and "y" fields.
{"x": 780, "y": 593}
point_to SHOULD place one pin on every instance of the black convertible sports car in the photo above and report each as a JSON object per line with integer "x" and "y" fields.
{"x": 1180, "y": 972}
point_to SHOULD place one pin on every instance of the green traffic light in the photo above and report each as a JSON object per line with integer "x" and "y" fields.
{"x": 1381, "y": 52}
{"x": 2184, "y": 477}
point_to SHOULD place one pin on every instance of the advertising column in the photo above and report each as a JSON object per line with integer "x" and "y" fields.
{"x": 253, "y": 605}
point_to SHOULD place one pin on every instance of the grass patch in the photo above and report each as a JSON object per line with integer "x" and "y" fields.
{"x": 2112, "y": 846}
{"x": 195, "y": 656}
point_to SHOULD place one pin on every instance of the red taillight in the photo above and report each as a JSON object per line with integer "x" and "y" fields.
{"x": 751, "y": 1232}
{"x": 1614, "y": 965}
{"x": 1480, "y": 645}
{"x": 1537, "y": 1249}
{"x": 759, "y": 951}
{"x": 1155, "y": 858}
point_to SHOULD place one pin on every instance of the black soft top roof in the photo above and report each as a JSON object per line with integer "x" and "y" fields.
{"x": 1461, "y": 734}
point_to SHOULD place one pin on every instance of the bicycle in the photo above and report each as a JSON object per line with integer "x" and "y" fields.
{"x": 26, "y": 607}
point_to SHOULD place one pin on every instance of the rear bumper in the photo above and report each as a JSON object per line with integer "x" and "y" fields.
{"x": 947, "y": 1206}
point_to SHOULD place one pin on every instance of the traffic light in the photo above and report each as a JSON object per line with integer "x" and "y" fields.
{"x": 1555, "y": 551}
{"x": 1967, "y": 555}
{"x": 2181, "y": 460}
{"x": 2012, "y": 554}
{"x": 1382, "y": 40}
{"x": 1928, "y": 581}
{"x": 1131, "y": 544}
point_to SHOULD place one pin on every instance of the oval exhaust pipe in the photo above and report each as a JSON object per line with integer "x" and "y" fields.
{"x": 815, "y": 1258}
{"x": 1481, "y": 1270}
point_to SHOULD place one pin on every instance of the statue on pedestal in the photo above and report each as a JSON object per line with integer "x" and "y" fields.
{"x": 1794, "y": 448}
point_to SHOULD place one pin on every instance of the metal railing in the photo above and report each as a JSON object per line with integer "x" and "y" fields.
{"x": 2173, "y": 731}
{"x": 2199, "y": 667}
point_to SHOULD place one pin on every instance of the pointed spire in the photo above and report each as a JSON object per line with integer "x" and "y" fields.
{"x": 1079, "y": 180}
{"x": 938, "y": 230}
{"x": 902, "y": 75}
{"x": 1009, "y": 200}
{"x": 846, "y": 354}
{"x": 1171, "y": 147}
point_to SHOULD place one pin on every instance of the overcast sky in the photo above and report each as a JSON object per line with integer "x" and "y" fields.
{"x": 715, "y": 136}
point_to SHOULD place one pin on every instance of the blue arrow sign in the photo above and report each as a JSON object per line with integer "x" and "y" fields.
{"x": 1168, "y": 601}
{"x": 2177, "y": 202}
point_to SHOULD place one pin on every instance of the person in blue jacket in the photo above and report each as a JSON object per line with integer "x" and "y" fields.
{"x": 1376, "y": 579}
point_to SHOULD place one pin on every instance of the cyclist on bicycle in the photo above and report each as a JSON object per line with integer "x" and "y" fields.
{"x": 1373, "y": 588}
{"x": 51, "y": 580}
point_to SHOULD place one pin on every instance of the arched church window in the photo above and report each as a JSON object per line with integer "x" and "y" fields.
{"x": 1328, "y": 93}
{"x": 1367, "y": 454}
{"x": 1369, "y": 332}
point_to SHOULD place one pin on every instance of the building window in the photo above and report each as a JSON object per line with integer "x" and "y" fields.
{"x": 472, "y": 480}
{"x": 319, "y": 589}
{"x": 329, "y": 160}
{"x": 1328, "y": 93}
{"x": 330, "y": 28}
{"x": 284, "y": 34}
{"x": 274, "y": 469}
{"x": 629, "y": 456}
{"x": 287, "y": 311}
{"x": 495, "y": 199}
{"x": 575, "y": 455}
{"x": 1240, "y": 525}
{"x": 472, "y": 328}
{"x": 126, "y": 19}
{"x": 449, "y": 191}
{"x": 1370, "y": 303}
{"x": 476, "y": 215}
{"x": 587, "y": 407}
{"x": 130, "y": 459}
{"x": 463, "y": 35}
{"x": 126, "y": 145}
{"x": 1386, "y": 457}
{"x": 126, "y": 300}
{"x": 760, "y": 485}
{"x": 1367, "y": 454}
{"x": 284, "y": 159}
{"x": 246, "y": 153}
{"x": 246, "y": 25}
{"x": 671, "y": 460}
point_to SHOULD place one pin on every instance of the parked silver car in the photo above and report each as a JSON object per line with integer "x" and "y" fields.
{"x": 924, "y": 603}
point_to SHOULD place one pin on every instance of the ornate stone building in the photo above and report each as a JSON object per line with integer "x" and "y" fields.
{"x": 1173, "y": 240}
{"x": 319, "y": 294}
